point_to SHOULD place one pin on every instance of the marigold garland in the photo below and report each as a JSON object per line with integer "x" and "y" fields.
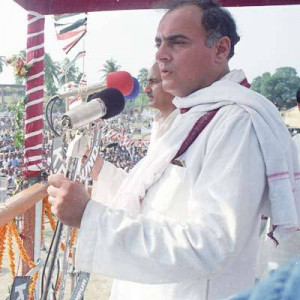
{"x": 22, "y": 250}
{"x": 10, "y": 231}
{"x": 21, "y": 67}
{"x": 25, "y": 257}
{"x": 58, "y": 282}
{"x": 3, "y": 231}
{"x": 11, "y": 254}
{"x": 32, "y": 286}
{"x": 73, "y": 240}
{"x": 48, "y": 213}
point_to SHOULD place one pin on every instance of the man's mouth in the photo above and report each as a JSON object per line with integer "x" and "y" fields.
{"x": 150, "y": 96}
{"x": 165, "y": 72}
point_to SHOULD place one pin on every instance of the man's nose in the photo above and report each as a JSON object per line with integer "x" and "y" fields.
{"x": 147, "y": 88}
{"x": 163, "y": 53}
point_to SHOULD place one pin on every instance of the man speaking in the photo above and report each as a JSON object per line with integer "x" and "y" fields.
{"x": 185, "y": 223}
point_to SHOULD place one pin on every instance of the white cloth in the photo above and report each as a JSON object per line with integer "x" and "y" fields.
{"x": 104, "y": 183}
{"x": 278, "y": 150}
{"x": 160, "y": 126}
{"x": 271, "y": 257}
{"x": 196, "y": 236}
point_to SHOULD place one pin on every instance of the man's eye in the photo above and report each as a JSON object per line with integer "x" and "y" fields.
{"x": 178, "y": 42}
{"x": 157, "y": 45}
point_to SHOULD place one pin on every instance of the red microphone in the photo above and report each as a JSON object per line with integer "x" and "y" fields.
{"x": 120, "y": 80}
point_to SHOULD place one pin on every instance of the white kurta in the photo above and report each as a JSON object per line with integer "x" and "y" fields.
{"x": 198, "y": 231}
{"x": 160, "y": 125}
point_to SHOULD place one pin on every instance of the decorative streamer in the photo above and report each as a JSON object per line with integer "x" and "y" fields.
{"x": 70, "y": 29}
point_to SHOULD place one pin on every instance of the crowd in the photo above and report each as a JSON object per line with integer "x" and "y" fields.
{"x": 10, "y": 157}
{"x": 123, "y": 156}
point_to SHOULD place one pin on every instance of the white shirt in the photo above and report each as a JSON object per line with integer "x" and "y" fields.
{"x": 198, "y": 231}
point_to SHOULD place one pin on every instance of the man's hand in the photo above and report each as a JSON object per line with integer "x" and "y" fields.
{"x": 68, "y": 199}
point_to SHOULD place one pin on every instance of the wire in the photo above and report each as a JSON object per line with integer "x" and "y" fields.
{"x": 47, "y": 258}
{"x": 49, "y": 113}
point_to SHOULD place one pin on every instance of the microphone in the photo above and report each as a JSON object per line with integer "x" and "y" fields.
{"x": 120, "y": 80}
{"x": 104, "y": 104}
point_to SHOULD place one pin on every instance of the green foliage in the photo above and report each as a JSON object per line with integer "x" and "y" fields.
{"x": 280, "y": 88}
{"x": 110, "y": 65}
{"x": 142, "y": 78}
{"x": 19, "y": 138}
{"x": 55, "y": 73}
{"x": 2, "y": 62}
{"x": 69, "y": 72}
{"x": 18, "y": 109}
{"x": 51, "y": 75}
{"x": 141, "y": 100}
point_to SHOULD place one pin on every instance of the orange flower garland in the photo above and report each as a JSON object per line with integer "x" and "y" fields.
{"x": 25, "y": 257}
{"x": 48, "y": 213}
{"x": 11, "y": 254}
{"x": 3, "y": 231}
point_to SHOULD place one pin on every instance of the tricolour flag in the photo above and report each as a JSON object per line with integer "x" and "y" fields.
{"x": 70, "y": 28}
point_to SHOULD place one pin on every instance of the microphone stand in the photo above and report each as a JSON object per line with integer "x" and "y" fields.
{"x": 75, "y": 151}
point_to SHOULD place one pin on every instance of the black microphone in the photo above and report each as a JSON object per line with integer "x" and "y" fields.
{"x": 104, "y": 104}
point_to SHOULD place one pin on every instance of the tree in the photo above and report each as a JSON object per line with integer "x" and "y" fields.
{"x": 51, "y": 75}
{"x": 110, "y": 66}
{"x": 280, "y": 88}
{"x": 142, "y": 78}
{"x": 69, "y": 72}
{"x": 2, "y": 61}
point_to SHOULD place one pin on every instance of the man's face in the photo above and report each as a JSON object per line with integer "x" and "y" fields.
{"x": 186, "y": 63}
{"x": 158, "y": 98}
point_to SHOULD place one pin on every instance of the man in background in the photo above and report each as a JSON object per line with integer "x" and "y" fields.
{"x": 162, "y": 101}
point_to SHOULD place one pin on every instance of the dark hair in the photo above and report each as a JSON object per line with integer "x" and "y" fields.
{"x": 298, "y": 96}
{"x": 216, "y": 20}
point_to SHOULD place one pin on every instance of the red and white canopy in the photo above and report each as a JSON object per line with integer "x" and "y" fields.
{"x": 51, "y": 7}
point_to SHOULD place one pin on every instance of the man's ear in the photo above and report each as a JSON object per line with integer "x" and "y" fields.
{"x": 222, "y": 46}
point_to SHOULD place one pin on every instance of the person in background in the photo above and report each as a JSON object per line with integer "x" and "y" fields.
{"x": 162, "y": 101}
{"x": 159, "y": 99}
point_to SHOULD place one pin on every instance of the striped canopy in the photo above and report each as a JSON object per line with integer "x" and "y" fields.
{"x": 51, "y": 7}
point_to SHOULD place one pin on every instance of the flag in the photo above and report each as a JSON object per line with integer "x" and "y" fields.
{"x": 73, "y": 61}
{"x": 70, "y": 29}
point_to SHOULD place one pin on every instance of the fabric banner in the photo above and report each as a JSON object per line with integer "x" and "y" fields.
{"x": 70, "y": 29}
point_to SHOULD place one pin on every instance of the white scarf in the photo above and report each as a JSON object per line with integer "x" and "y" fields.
{"x": 278, "y": 150}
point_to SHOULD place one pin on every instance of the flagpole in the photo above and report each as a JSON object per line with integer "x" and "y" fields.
{"x": 83, "y": 48}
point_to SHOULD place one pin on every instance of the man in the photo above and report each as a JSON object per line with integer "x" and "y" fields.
{"x": 185, "y": 223}
{"x": 162, "y": 101}
{"x": 159, "y": 99}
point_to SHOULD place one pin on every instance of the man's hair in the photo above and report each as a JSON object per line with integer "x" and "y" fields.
{"x": 216, "y": 20}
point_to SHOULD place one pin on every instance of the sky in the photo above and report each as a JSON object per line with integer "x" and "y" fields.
{"x": 270, "y": 38}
